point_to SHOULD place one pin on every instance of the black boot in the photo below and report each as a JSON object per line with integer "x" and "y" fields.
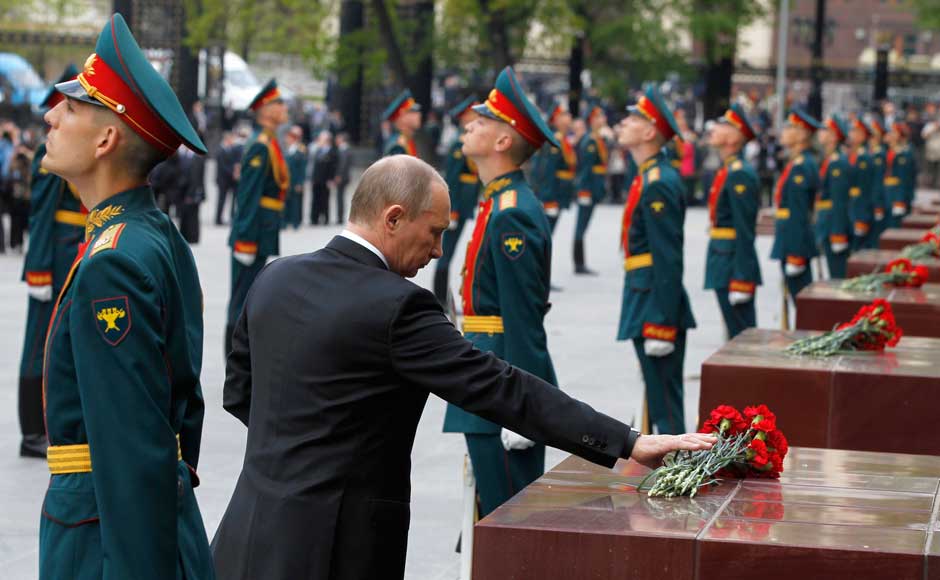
{"x": 440, "y": 286}
{"x": 32, "y": 422}
{"x": 579, "y": 267}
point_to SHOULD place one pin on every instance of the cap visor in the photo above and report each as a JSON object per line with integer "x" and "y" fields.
{"x": 415, "y": 107}
{"x": 483, "y": 110}
{"x": 74, "y": 90}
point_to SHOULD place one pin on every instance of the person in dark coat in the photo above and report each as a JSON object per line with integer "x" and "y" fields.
{"x": 324, "y": 172}
{"x": 333, "y": 359}
{"x": 342, "y": 178}
{"x": 227, "y": 159}
{"x": 192, "y": 193}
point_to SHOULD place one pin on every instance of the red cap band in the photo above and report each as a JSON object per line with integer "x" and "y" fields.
{"x": 739, "y": 124}
{"x": 795, "y": 119}
{"x": 404, "y": 106}
{"x": 834, "y": 127}
{"x": 650, "y": 111}
{"x": 502, "y": 107}
{"x": 103, "y": 84}
{"x": 266, "y": 98}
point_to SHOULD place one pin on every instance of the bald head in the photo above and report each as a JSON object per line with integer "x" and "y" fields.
{"x": 395, "y": 180}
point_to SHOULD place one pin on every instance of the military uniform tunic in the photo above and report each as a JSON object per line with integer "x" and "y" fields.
{"x": 124, "y": 405}
{"x": 899, "y": 183}
{"x": 861, "y": 197}
{"x": 832, "y": 212}
{"x": 879, "y": 161}
{"x": 591, "y": 180}
{"x": 464, "y": 186}
{"x": 297, "y": 168}
{"x": 56, "y": 227}
{"x": 505, "y": 292}
{"x": 794, "y": 241}
{"x": 731, "y": 264}
{"x": 398, "y": 144}
{"x": 655, "y": 304}
{"x": 555, "y": 178}
{"x": 262, "y": 190}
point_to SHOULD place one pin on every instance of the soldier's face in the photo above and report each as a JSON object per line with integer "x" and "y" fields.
{"x": 633, "y": 130}
{"x": 480, "y": 137}
{"x": 74, "y": 134}
{"x": 413, "y": 120}
{"x": 856, "y": 136}
{"x": 415, "y": 242}
{"x": 827, "y": 138}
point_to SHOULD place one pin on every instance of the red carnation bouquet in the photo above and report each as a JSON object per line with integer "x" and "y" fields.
{"x": 901, "y": 272}
{"x": 749, "y": 445}
{"x": 928, "y": 247}
{"x": 872, "y": 328}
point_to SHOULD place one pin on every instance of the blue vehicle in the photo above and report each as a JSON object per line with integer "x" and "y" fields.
{"x": 19, "y": 83}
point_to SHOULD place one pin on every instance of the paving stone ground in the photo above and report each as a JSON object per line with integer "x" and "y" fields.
{"x": 581, "y": 327}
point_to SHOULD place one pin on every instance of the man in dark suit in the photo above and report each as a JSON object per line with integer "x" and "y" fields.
{"x": 332, "y": 362}
{"x": 228, "y": 158}
{"x": 342, "y": 178}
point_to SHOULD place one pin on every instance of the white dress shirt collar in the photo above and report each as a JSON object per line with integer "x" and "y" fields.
{"x": 349, "y": 235}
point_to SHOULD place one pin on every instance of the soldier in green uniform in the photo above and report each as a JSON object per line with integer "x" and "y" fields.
{"x": 833, "y": 230}
{"x": 123, "y": 401}
{"x": 900, "y": 174}
{"x": 506, "y": 280}
{"x": 794, "y": 196}
{"x": 655, "y": 311}
{"x": 297, "y": 168}
{"x": 461, "y": 176}
{"x": 404, "y": 113}
{"x": 861, "y": 177}
{"x": 591, "y": 180}
{"x": 56, "y": 227}
{"x": 555, "y": 168}
{"x": 259, "y": 201}
{"x": 731, "y": 266}
{"x": 878, "y": 155}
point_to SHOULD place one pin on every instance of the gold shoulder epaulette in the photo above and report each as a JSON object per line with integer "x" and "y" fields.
{"x": 736, "y": 165}
{"x": 108, "y": 239}
{"x": 507, "y": 199}
{"x": 798, "y": 160}
{"x": 263, "y": 138}
{"x": 652, "y": 175}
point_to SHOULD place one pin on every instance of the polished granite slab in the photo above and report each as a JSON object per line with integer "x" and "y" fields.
{"x": 822, "y": 305}
{"x": 832, "y": 514}
{"x": 867, "y": 261}
{"x": 918, "y": 221}
{"x": 869, "y": 401}
{"x": 898, "y": 238}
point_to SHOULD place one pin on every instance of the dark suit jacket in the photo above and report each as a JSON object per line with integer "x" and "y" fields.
{"x": 332, "y": 362}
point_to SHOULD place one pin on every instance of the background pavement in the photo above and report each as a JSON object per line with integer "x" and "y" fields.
{"x": 581, "y": 327}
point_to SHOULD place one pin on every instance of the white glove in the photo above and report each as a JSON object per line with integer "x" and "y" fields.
{"x": 897, "y": 210}
{"x": 41, "y": 293}
{"x": 792, "y": 270}
{"x": 860, "y": 232}
{"x": 513, "y": 441}
{"x": 452, "y": 225}
{"x": 244, "y": 258}
{"x": 839, "y": 247}
{"x": 585, "y": 200}
{"x": 653, "y": 347}
{"x": 739, "y": 297}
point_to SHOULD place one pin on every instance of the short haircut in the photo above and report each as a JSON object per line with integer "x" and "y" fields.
{"x": 135, "y": 154}
{"x": 395, "y": 180}
{"x": 520, "y": 150}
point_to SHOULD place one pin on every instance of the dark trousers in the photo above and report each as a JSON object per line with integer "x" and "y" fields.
{"x": 225, "y": 187}
{"x": 838, "y": 263}
{"x": 584, "y": 219}
{"x": 242, "y": 277}
{"x": 501, "y": 474}
{"x": 737, "y": 316}
{"x": 19, "y": 218}
{"x": 553, "y": 221}
{"x": 797, "y": 283}
{"x": 32, "y": 421}
{"x": 319, "y": 209}
{"x": 664, "y": 389}
{"x": 188, "y": 214}
{"x": 340, "y": 199}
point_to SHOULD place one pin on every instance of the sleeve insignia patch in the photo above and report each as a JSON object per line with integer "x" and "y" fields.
{"x": 255, "y": 161}
{"x": 902, "y": 160}
{"x": 113, "y": 318}
{"x": 737, "y": 165}
{"x": 652, "y": 175}
{"x": 863, "y": 165}
{"x": 108, "y": 239}
{"x": 798, "y": 179}
{"x": 591, "y": 148}
{"x": 877, "y": 160}
{"x": 836, "y": 173}
{"x": 508, "y": 199}
{"x": 513, "y": 245}
{"x": 740, "y": 188}
{"x": 657, "y": 206}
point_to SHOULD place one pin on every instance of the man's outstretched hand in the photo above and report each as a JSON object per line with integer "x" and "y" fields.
{"x": 650, "y": 449}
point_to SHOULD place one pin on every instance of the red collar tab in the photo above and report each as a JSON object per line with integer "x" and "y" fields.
{"x": 106, "y": 86}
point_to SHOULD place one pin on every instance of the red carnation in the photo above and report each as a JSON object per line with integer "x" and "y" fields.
{"x": 761, "y": 418}
{"x": 919, "y": 276}
{"x": 899, "y": 265}
{"x": 777, "y": 443}
{"x": 757, "y": 454}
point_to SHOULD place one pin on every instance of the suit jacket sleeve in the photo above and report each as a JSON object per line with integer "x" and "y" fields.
{"x": 246, "y": 229}
{"x": 122, "y": 382}
{"x": 236, "y": 394}
{"x": 663, "y": 215}
{"x": 428, "y": 353}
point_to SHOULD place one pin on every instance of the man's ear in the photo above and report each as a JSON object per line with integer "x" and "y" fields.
{"x": 392, "y": 218}
{"x": 108, "y": 139}
{"x": 503, "y": 142}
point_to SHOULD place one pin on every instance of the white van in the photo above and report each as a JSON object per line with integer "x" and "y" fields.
{"x": 239, "y": 83}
